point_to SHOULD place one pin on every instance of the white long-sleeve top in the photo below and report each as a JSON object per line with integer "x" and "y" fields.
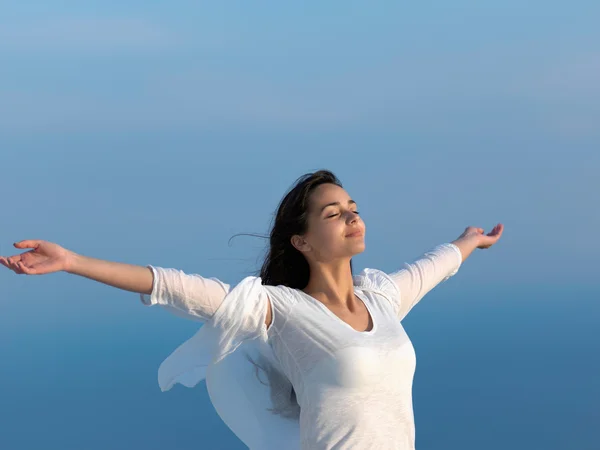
{"x": 354, "y": 388}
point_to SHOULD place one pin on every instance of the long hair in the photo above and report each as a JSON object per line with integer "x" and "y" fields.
{"x": 284, "y": 264}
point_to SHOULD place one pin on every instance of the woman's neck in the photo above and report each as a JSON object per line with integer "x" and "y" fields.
{"x": 331, "y": 283}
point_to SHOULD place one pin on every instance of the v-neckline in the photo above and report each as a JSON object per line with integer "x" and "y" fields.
{"x": 338, "y": 319}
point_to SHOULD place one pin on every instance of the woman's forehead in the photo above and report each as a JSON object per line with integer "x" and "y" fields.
{"x": 329, "y": 193}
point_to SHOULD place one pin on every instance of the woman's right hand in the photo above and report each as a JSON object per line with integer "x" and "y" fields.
{"x": 45, "y": 257}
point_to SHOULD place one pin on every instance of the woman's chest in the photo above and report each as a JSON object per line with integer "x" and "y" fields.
{"x": 363, "y": 368}
{"x": 318, "y": 342}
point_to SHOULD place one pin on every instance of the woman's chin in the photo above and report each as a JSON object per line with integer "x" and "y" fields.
{"x": 358, "y": 248}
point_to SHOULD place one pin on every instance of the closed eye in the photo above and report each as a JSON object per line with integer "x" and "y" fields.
{"x": 333, "y": 215}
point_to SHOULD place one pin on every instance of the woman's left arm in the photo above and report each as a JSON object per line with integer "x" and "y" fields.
{"x": 473, "y": 238}
{"x": 419, "y": 277}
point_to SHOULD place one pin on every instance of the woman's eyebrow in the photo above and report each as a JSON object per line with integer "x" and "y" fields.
{"x": 350, "y": 202}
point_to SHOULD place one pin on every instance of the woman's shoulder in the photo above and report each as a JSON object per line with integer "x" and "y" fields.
{"x": 376, "y": 280}
{"x": 252, "y": 286}
{"x": 282, "y": 294}
{"x": 368, "y": 276}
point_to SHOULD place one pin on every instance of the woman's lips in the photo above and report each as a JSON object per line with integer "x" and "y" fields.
{"x": 355, "y": 234}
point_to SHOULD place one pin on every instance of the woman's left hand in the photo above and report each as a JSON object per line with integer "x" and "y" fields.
{"x": 484, "y": 240}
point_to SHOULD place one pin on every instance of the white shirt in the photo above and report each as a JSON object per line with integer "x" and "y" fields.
{"x": 354, "y": 388}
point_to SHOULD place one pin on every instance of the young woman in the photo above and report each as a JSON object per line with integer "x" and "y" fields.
{"x": 339, "y": 366}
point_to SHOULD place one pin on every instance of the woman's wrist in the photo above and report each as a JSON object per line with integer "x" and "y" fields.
{"x": 71, "y": 260}
{"x": 466, "y": 244}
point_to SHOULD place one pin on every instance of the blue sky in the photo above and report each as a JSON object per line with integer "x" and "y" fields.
{"x": 435, "y": 117}
{"x": 152, "y": 132}
{"x": 429, "y": 68}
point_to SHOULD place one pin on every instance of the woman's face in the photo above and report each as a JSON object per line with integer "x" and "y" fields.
{"x": 335, "y": 229}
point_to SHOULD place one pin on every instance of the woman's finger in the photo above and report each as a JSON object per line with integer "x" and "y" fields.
{"x": 30, "y": 243}
{"x": 27, "y": 270}
{"x": 18, "y": 268}
{"x": 12, "y": 260}
{"x": 40, "y": 268}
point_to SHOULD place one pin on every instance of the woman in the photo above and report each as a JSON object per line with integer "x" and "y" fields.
{"x": 339, "y": 366}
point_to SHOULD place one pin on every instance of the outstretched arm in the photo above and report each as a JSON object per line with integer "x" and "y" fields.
{"x": 473, "y": 238}
{"x": 437, "y": 265}
{"x": 190, "y": 296}
{"x": 187, "y": 295}
{"x": 124, "y": 276}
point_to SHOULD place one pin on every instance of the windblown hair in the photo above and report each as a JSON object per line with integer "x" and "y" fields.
{"x": 287, "y": 266}
{"x": 284, "y": 264}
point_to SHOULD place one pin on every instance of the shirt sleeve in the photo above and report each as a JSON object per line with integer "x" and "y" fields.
{"x": 186, "y": 295}
{"x": 239, "y": 318}
{"x": 419, "y": 277}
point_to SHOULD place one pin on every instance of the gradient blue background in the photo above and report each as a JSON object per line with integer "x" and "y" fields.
{"x": 149, "y": 133}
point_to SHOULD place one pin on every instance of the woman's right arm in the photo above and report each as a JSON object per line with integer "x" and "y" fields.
{"x": 128, "y": 277}
{"x": 186, "y": 295}
{"x": 189, "y": 295}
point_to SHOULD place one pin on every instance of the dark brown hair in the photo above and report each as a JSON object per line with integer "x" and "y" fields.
{"x": 284, "y": 264}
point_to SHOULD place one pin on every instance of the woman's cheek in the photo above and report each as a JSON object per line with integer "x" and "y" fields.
{"x": 331, "y": 233}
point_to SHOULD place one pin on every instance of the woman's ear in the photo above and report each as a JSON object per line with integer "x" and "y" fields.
{"x": 300, "y": 243}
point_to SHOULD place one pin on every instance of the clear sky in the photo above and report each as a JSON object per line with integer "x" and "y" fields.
{"x": 151, "y": 132}
{"x": 186, "y": 122}
{"x": 179, "y": 125}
